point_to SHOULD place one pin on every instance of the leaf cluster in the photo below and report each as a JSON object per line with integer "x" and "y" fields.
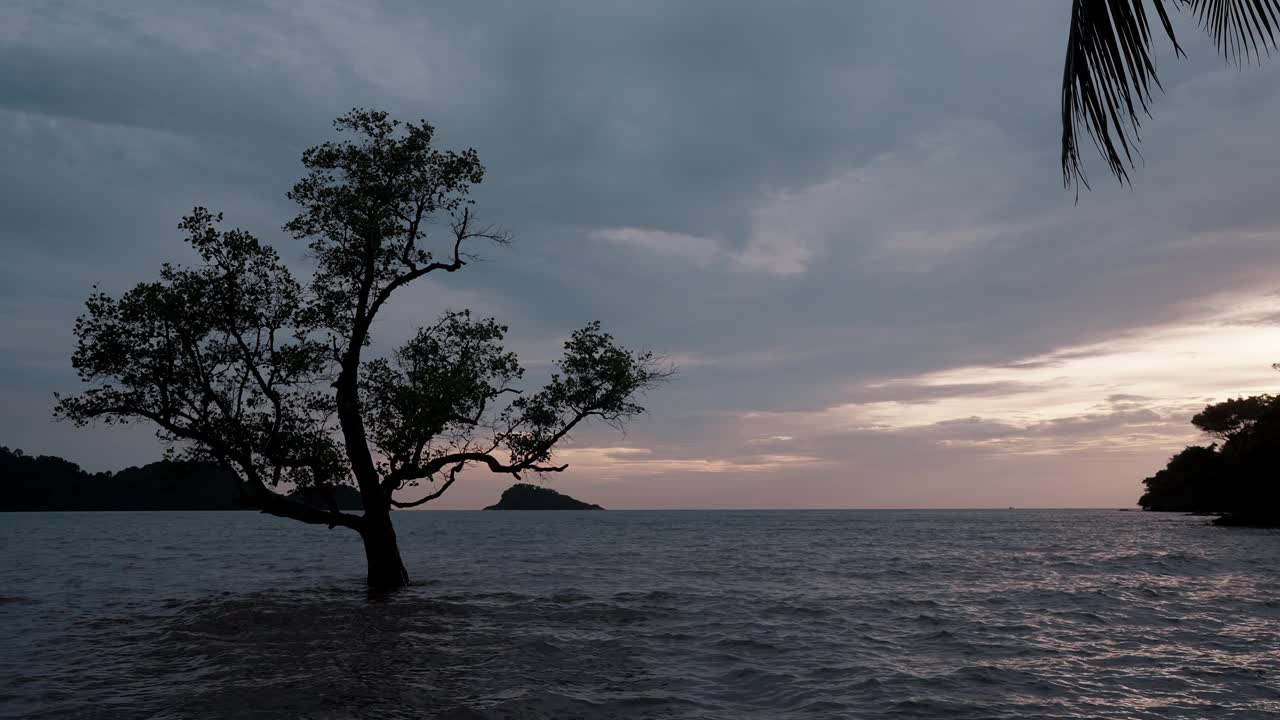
{"x": 1110, "y": 69}
{"x": 217, "y": 355}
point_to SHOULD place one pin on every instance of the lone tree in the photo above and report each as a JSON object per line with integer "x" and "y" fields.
{"x": 237, "y": 362}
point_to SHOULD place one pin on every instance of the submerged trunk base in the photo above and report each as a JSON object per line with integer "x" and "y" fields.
{"x": 386, "y": 570}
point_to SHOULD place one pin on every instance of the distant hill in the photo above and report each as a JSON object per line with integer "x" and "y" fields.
{"x": 523, "y": 496}
{"x": 44, "y": 482}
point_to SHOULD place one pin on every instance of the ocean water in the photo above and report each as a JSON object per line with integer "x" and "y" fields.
{"x": 848, "y": 614}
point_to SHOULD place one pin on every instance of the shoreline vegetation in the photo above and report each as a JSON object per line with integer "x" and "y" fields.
{"x": 35, "y": 483}
{"x": 1234, "y": 476}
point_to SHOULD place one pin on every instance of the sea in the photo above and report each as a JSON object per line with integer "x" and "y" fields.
{"x": 646, "y": 614}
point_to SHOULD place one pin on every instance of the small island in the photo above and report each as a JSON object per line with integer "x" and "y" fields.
{"x": 523, "y": 496}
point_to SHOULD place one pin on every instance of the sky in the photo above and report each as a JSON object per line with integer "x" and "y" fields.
{"x": 844, "y": 222}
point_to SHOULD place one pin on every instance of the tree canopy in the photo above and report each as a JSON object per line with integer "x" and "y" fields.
{"x": 1234, "y": 477}
{"x": 1231, "y": 418}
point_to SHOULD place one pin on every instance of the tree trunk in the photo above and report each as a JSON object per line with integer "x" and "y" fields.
{"x": 386, "y": 571}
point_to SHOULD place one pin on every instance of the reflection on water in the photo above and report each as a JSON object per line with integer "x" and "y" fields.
{"x": 643, "y": 615}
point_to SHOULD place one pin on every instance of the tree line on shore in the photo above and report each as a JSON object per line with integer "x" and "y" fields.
{"x": 48, "y": 483}
{"x": 1235, "y": 475}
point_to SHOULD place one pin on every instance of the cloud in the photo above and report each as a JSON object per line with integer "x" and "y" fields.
{"x": 700, "y": 251}
{"x": 1136, "y": 390}
{"x": 769, "y": 253}
{"x": 614, "y": 463}
{"x": 902, "y": 207}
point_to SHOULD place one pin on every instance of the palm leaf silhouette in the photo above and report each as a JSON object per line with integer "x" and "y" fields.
{"x": 1110, "y": 71}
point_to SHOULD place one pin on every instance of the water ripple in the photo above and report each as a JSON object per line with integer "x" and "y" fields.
{"x": 712, "y": 615}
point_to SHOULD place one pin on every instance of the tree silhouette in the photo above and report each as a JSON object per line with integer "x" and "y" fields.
{"x": 1234, "y": 416}
{"x": 1110, "y": 71}
{"x": 1235, "y": 476}
{"x": 237, "y": 362}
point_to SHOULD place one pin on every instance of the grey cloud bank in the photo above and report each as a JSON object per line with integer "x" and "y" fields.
{"x": 811, "y": 208}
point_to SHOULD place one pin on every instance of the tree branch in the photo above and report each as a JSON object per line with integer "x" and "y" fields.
{"x": 461, "y": 232}
{"x": 453, "y": 475}
{"x": 273, "y": 503}
{"x": 495, "y": 465}
{"x": 267, "y": 500}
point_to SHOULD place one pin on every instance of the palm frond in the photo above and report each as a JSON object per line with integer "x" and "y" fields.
{"x": 1110, "y": 71}
{"x": 1243, "y": 30}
